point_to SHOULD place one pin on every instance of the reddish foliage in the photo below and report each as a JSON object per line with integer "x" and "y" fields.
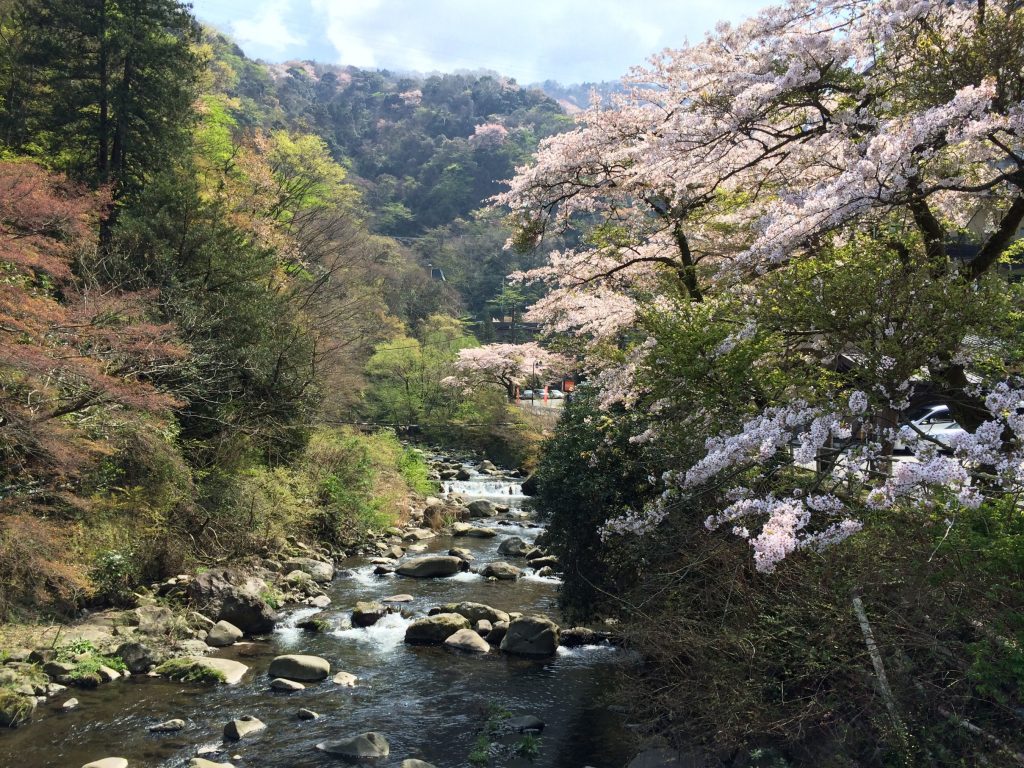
{"x": 64, "y": 346}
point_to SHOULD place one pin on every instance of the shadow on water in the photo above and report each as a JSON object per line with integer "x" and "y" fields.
{"x": 428, "y": 702}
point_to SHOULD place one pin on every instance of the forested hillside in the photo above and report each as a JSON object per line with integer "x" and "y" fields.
{"x": 196, "y": 281}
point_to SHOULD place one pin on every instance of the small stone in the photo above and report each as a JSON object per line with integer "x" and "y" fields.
{"x": 242, "y": 727}
{"x": 199, "y": 762}
{"x": 280, "y": 684}
{"x": 108, "y": 674}
{"x": 108, "y": 762}
{"x": 168, "y": 726}
{"x": 397, "y": 599}
{"x": 346, "y": 679}
{"x": 307, "y": 714}
{"x": 70, "y": 704}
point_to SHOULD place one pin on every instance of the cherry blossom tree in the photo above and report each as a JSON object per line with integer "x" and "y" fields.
{"x": 507, "y": 365}
{"x": 749, "y": 175}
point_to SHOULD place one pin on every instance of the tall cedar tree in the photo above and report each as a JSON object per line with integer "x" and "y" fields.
{"x": 102, "y": 89}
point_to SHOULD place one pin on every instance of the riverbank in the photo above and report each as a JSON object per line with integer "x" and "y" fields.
{"x": 358, "y": 622}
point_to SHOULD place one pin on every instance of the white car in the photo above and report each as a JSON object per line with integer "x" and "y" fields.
{"x": 936, "y": 421}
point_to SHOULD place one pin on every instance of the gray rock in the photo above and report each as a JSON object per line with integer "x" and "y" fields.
{"x": 474, "y": 611}
{"x": 69, "y": 704}
{"x": 575, "y": 637}
{"x": 463, "y": 553}
{"x": 232, "y": 670}
{"x": 432, "y": 566}
{"x": 501, "y": 571}
{"x": 345, "y": 679}
{"x": 168, "y": 726}
{"x": 531, "y": 636}
{"x": 529, "y": 486}
{"x": 463, "y": 474}
{"x": 513, "y": 546}
{"x": 307, "y": 714}
{"x": 199, "y": 762}
{"x": 525, "y": 724}
{"x": 403, "y": 598}
{"x": 59, "y": 670}
{"x": 497, "y": 633}
{"x": 468, "y": 641}
{"x": 108, "y": 674}
{"x": 482, "y": 508}
{"x": 416, "y": 764}
{"x": 223, "y": 634}
{"x": 370, "y": 745}
{"x": 483, "y": 627}
{"x": 289, "y": 686}
{"x": 473, "y": 531}
{"x": 545, "y": 572}
{"x": 434, "y": 630}
{"x": 108, "y": 762}
{"x": 246, "y": 725}
{"x": 367, "y": 613}
{"x": 300, "y": 667}
{"x": 233, "y": 596}
{"x": 154, "y": 619}
{"x": 548, "y": 561}
{"x": 319, "y": 570}
{"x": 419, "y": 534}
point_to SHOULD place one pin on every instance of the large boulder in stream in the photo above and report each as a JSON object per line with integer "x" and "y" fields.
{"x": 299, "y": 667}
{"x": 432, "y": 566}
{"x": 501, "y": 571}
{"x": 531, "y": 636}
{"x": 368, "y": 613}
{"x": 514, "y": 546}
{"x": 473, "y": 531}
{"x": 467, "y": 641}
{"x": 482, "y": 508}
{"x": 473, "y": 611}
{"x": 365, "y": 746}
{"x": 226, "y": 594}
{"x": 434, "y": 630}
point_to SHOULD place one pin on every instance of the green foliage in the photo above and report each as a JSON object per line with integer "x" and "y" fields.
{"x": 102, "y": 90}
{"x": 189, "y": 671}
{"x": 528, "y": 746}
{"x": 114, "y": 575}
{"x": 481, "y": 752}
{"x": 15, "y": 708}
{"x": 87, "y": 661}
{"x": 589, "y": 473}
{"x": 416, "y": 472}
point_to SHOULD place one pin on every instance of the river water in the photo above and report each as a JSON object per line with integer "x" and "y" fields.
{"x": 428, "y": 702}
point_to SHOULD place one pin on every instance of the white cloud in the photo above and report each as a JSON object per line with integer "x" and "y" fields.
{"x": 531, "y": 40}
{"x": 266, "y": 29}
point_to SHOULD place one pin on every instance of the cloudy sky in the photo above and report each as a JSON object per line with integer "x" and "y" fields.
{"x": 532, "y": 40}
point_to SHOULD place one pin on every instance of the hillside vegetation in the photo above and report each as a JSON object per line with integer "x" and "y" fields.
{"x": 198, "y": 287}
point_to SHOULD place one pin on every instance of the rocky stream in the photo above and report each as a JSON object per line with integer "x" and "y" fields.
{"x": 443, "y": 651}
